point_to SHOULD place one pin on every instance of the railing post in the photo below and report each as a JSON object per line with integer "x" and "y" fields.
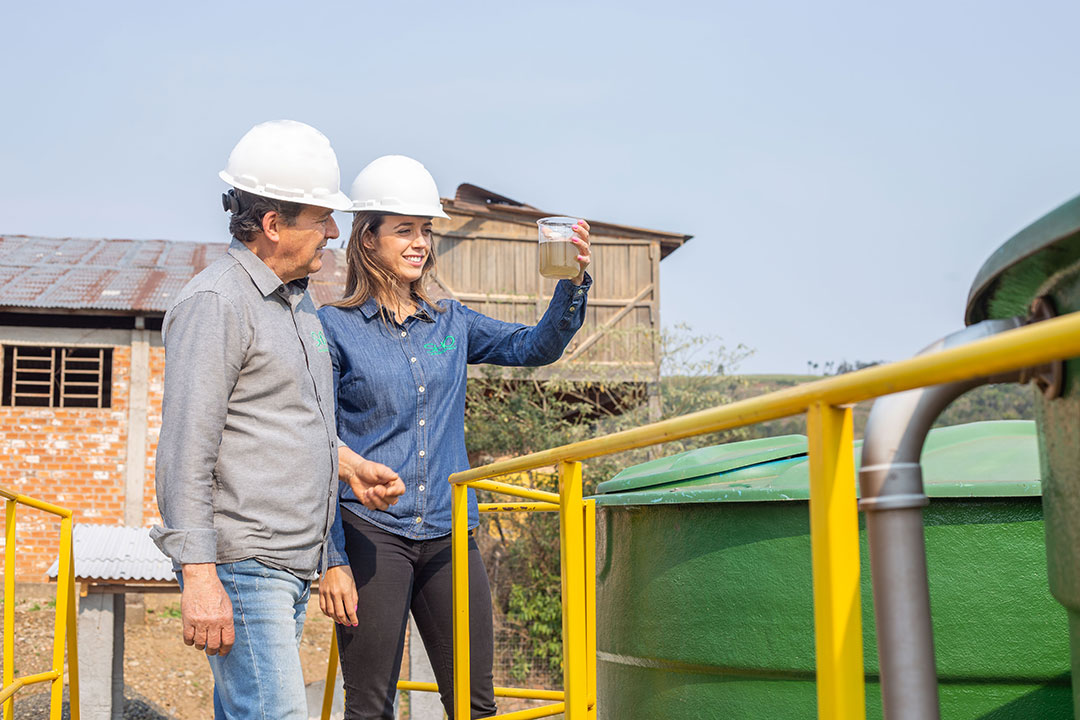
{"x": 331, "y": 677}
{"x": 590, "y": 605}
{"x": 9, "y": 603}
{"x": 459, "y": 555}
{"x": 834, "y": 541}
{"x": 572, "y": 536}
{"x": 64, "y": 581}
{"x": 72, "y": 646}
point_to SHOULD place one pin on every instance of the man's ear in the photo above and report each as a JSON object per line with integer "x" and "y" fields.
{"x": 270, "y": 223}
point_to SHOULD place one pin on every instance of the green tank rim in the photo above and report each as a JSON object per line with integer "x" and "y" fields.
{"x": 1010, "y": 278}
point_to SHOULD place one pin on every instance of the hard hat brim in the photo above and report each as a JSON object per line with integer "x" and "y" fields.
{"x": 333, "y": 201}
{"x": 410, "y": 210}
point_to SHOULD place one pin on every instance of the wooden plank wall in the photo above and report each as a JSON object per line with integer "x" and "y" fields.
{"x": 491, "y": 266}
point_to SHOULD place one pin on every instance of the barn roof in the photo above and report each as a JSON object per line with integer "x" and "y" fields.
{"x": 139, "y": 276}
{"x": 477, "y": 201}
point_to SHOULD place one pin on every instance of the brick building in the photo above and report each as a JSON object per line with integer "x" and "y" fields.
{"x": 82, "y": 368}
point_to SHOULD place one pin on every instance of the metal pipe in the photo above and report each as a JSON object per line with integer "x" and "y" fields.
{"x": 892, "y": 496}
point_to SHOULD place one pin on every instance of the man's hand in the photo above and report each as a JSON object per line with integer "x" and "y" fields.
{"x": 205, "y": 610}
{"x": 337, "y": 595}
{"x": 375, "y": 485}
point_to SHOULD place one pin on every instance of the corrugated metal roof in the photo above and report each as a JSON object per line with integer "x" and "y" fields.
{"x": 88, "y": 274}
{"x": 119, "y": 275}
{"x": 110, "y": 552}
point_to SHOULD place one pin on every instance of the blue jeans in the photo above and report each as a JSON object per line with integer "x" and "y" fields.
{"x": 261, "y": 677}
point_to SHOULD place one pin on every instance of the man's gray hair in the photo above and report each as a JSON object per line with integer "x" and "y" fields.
{"x": 247, "y": 223}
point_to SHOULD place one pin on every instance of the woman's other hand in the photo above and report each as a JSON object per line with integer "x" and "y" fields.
{"x": 337, "y": 595}
{"x": 374, "y": 484}
{"x": 581, "y": 239}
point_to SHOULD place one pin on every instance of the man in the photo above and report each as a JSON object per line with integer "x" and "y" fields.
{"x": 248, "y": 460}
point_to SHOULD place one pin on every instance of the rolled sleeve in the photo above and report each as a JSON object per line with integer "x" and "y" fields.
{"x": 335, "y": 542}
{"x": 502, "y": 343}
{"x": 205, "y": 345}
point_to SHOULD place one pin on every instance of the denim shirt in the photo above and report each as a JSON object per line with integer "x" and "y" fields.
{"x": 400, "y": 392}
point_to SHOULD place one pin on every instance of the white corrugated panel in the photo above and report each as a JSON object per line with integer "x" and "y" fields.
{"x": 109, "y": 552}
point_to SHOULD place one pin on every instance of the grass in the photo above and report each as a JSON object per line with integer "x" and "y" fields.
{"x": 172, "y": 611}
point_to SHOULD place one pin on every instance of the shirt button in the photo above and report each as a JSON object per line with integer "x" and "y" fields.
{"x": 422, "y": 453}
{"x": 421, "y": 423}
{"x": 572, "y": 308}
{"x": 412, "y": 359}
{"x": 418, "y": 520}
{"x": 421, "y": 388}
{"x": 421, "y": 488}
{"x": 403, "y": 333}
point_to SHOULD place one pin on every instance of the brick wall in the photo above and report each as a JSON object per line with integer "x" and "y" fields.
{"x": 75, "y": 458}
{"x": 151, "y": 516}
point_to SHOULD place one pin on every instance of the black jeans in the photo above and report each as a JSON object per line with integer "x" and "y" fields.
{"x": 394, "y": 575}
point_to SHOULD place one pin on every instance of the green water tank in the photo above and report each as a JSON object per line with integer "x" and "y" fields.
{"x": 704, "y": 597}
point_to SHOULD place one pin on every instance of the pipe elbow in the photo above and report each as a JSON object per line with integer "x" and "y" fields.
{"x": 891, "y": 473}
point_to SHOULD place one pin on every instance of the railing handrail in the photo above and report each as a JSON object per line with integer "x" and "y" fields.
{"x": 35, "y": 503}
{"x": 1028, "y": 346}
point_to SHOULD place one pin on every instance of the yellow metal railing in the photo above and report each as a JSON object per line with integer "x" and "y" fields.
{"x": 833, "y": 511}
{"x": 583, "y": 602}
{"x": 65, "y": 614}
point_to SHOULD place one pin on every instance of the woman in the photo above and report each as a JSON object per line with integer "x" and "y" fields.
{"x": 399, "y": 369}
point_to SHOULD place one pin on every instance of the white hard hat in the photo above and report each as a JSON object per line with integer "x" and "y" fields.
{"x": 287, "y": 160}
{"x": 396, "y": 184}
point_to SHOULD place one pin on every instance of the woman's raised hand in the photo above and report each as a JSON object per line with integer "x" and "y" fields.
{"x": 581, "y": 239}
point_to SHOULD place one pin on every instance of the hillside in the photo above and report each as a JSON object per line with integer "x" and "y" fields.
{"x": 990, "y": 402}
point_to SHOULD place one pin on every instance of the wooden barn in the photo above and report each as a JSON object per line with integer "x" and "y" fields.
{"x": 487, "y": 258}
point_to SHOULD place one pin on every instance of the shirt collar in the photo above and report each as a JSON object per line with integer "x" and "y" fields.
{"x": 370, "y": 309}
{"x": 423, "y": 311}
{"x": 265, "y": 279}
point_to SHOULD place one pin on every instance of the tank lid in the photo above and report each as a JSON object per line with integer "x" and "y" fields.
{"x": 705, "y": 462}
{"x": 984, "y": 459}
{"x": 1007, "y": 282}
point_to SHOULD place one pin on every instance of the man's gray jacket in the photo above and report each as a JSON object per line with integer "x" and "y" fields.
{"x": 247, "y": 460}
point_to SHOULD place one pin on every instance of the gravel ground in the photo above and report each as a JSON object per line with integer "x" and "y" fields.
{"x": 136, "y": 707}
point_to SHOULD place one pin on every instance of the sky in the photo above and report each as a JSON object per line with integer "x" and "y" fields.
{"x": 845, "y": 168}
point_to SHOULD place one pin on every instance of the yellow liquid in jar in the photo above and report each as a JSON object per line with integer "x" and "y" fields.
{"x": 558, "y": 259}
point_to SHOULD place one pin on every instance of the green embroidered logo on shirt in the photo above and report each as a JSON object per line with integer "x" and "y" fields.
{"x": 439, "y": 348}
{"x": 320, "y": 341}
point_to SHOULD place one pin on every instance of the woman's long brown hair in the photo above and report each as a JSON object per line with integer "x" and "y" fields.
{"x": 366, "y": 277}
